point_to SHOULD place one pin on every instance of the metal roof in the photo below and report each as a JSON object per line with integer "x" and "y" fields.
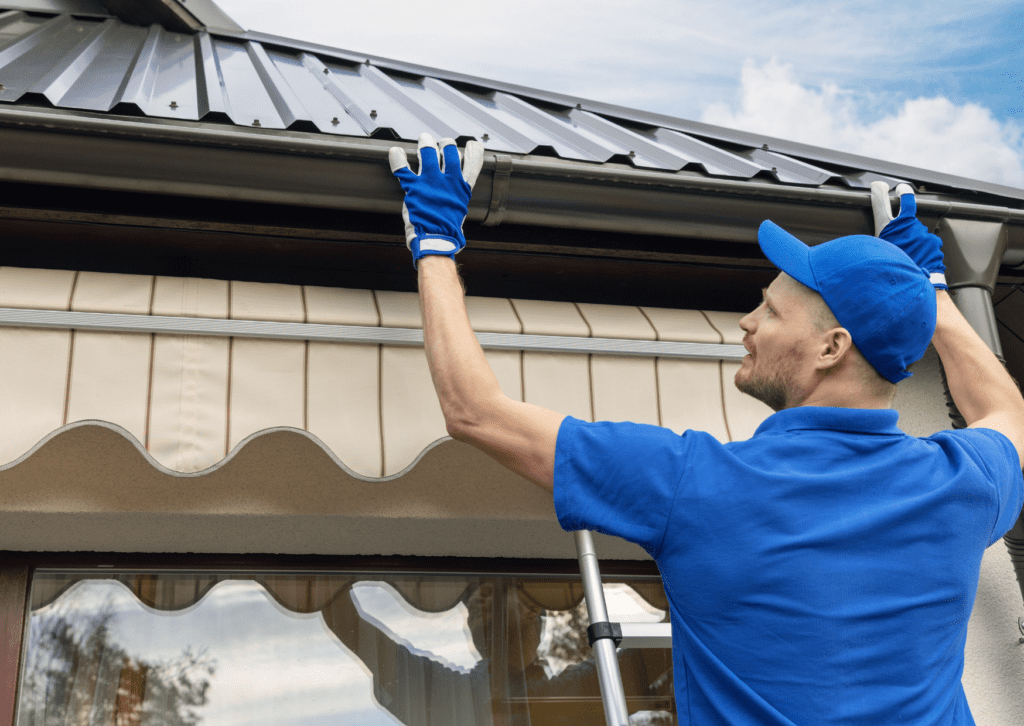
{"x": 251, "y": 79}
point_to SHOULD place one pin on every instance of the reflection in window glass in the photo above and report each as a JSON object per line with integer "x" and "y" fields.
{"x": 240, "y": 649}
{"x": 443, "y": 637}
{"x": 563, "y": 640}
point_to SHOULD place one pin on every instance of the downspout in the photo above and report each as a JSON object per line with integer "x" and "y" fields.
{"x": 974, "y": 250}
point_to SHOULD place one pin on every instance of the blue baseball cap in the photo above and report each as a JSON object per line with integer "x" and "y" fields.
{"x": 872, "y": 287}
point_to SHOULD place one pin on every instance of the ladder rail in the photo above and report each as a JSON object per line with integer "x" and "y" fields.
{"x": 612, "y": 693}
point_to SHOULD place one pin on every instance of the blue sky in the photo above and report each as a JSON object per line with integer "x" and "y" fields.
{"x": 941, "y": 88}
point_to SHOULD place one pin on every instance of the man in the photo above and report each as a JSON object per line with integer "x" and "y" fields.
{"x": 823, "y": 571}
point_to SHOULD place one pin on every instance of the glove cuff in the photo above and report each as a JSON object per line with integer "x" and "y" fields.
{"x": 434, "y": 244}
{"x": 938, "y": 280}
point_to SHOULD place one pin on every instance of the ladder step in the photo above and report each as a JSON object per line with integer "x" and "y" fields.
{"x": 646, "y": 635}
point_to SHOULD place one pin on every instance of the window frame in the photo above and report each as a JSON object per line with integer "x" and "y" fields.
{"x": 17, "y": 569}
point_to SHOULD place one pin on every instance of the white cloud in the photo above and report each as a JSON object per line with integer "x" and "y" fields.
{"x": 930, "y": 133}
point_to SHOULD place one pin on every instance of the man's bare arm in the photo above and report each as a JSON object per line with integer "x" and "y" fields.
{"x": 982, "y": 390}
{"x": 517, "y": 435}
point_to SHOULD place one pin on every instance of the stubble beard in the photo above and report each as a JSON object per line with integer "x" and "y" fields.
{"x": 769, "y": 390}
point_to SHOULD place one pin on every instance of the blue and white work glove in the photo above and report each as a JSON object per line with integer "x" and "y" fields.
{"x": 436, "y": 199}
{"x": 906, "y": 231}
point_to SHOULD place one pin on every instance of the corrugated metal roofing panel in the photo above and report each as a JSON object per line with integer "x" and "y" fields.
{"x": 364, "y": 124}
{"x": 403, "y": 93}
{"x": 252, "y": 79}
{"x": 712, "y": 159}
{"x": 310, "y": 84}
{"x": 496, "y": 134}
{"x": 556, "y": 129}
{"x": 60, "y": 76}
{"x": 30, "y": 56}
{"x": 140, "y": 81}
{"x": 251, "y": 95}
{"x": 643, "y": 151}
{"x": 108, "y": 58}
{"x": 376, "y": 109}
{"x": 15, "y": 25}
{"x": 790, "y": 170}
{"x": 863, "y": 179}
{"x": 210, "y": 90}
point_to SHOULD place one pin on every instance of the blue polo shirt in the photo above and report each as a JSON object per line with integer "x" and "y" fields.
{"x": 821, "y": 572}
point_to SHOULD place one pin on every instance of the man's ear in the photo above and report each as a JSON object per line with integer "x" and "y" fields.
{"x": 837, "y": 342}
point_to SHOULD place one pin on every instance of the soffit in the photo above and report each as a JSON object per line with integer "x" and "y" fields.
{"x": 259, "y": 81}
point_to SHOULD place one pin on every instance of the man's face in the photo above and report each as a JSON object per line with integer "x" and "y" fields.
{"x": 778, "y": 334}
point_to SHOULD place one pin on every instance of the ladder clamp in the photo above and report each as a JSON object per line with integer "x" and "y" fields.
{"x": 596, "y": 631}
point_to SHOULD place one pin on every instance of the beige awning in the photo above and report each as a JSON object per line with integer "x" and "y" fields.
{"x": 196, "y": 412}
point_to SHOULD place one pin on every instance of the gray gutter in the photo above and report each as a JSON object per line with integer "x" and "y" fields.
{"x": 78, "y": 149}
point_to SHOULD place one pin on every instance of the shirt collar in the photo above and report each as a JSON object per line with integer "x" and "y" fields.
{"x": 852, "y": 420}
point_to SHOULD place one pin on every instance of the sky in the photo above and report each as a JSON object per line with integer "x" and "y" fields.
{"x": 941, "y": 88}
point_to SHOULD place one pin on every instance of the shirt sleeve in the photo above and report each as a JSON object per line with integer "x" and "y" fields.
{"x": 618, "y": 479}
{"x": 996, "y": 455}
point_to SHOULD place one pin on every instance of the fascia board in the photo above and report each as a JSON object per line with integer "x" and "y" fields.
{"x": 290, "y": 168}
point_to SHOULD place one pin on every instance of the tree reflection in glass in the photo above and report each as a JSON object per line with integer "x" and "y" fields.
{"x": 109, "y": 689}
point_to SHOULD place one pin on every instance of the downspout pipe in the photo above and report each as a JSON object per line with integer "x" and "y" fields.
{"x": 973, "y": 251}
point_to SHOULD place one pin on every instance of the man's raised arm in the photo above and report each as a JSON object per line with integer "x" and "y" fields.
{"x": 983, "y": 391}
{"x": 518, "y": 435}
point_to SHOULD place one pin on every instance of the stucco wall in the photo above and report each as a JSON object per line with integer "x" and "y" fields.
{"x": 994, "y": 659}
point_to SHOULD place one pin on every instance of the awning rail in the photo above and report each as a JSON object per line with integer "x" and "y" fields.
{"x": 124, "y": 323}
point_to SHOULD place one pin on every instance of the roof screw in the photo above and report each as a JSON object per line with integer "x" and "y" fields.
{"x": 485, "y": 137}
{"x": 632, "y": 154}
{"x": 764, "y": 147}
{"x": 256, "y": 122}
{"x": 1, "y": 86}
{"x": 373, "y": 113}
{"x": 335, "y": 121}
{"x": 174, "y": 104}
{"x": 921, "y": 188}
{"x": 775, "y": 170}
{"x": 579, "y": 105}
{"x": 326, "y": 70}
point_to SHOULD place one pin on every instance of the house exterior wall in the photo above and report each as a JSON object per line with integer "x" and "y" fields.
{"x": 994, "y": 659}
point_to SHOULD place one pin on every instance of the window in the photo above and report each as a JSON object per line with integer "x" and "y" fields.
{"x": 289, "y": 649}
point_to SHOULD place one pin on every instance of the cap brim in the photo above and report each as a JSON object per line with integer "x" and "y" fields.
{"x": 786, "y": 252}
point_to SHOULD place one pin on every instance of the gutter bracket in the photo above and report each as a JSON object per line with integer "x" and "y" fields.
{"x": 499, "y": 189}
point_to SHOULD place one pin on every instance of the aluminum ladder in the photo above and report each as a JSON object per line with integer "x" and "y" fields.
{"x": 605, "y": 636}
